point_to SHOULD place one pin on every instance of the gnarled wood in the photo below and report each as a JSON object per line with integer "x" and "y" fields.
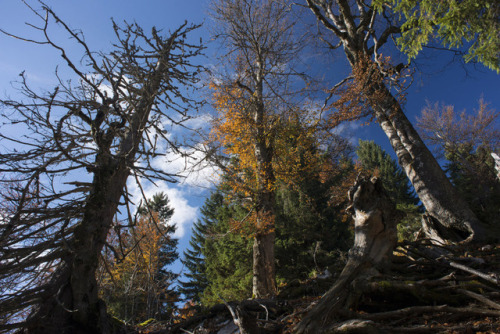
{"x": 375, "y": 221}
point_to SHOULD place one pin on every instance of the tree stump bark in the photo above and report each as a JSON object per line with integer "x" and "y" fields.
{"x": 375, "y": 220}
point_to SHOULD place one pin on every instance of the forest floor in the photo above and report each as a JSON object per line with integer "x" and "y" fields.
{"x": 426, "y": 290}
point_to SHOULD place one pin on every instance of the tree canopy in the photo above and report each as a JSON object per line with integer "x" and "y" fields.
{"x": 472, "y": 25}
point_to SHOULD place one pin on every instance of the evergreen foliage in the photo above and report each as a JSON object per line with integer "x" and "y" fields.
{"x": 310, "y": 231}
{"x": 472, "y": 171}
{"x": 228, "y": 256}
{"x": 193, "y": 258}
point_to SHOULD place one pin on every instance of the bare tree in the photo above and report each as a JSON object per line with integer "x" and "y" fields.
{"x": 362, "y": 30}
{"x": 67, "y": 174}
{"x": 260, "y": 50}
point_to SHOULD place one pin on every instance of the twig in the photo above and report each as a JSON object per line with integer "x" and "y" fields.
{"x": 480, "y": 298}
{"x": 413, "y": 311}
{"x": 185, "y": 331}
{"x": 475, "y": 272}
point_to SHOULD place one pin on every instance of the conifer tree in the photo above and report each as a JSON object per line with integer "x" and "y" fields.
{"x": 196, "y": 278}
{"x": 310, "y": 230}
{"x": 228, "y": 256}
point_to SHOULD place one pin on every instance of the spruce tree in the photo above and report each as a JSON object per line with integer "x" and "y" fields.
{"x": 167, "y": 255}
{"x": 193, "y": 259}
{"x": 228, "y": 256}
{"x": 472, "y": 172}
{"x": 310, "y": 231}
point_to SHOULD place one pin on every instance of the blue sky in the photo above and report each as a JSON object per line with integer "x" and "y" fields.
{"x": 438, "y": 82}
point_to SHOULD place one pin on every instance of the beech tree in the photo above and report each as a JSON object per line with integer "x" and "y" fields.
{"x": 251, "y": 101}
{"x": 78, "y": 144}
{"x": 363, "y": 30}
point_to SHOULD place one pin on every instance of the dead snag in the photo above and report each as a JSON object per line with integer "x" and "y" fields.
{"x": 375, "y": 221}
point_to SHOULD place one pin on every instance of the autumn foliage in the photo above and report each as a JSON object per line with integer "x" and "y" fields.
{"x": 298, "y": 139}
{"x": 360, "y": 92}
{"x": 132, "y": 281}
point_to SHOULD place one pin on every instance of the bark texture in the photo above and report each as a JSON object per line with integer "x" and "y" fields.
{"x": 259, "y": 38}
{"x": 497, "y": 164}
{"x": 434, "y": 189}
{"x": 353, "y": 24}
{"x": 75, "y": 306}
{"x": 264, "y": 285}
{"x": 375, "y": 221}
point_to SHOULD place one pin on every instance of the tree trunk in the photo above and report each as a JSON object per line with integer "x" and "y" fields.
{"x": 353, "y": 25}
{"x": 434, "y": 189}
{"x": 375, "y": 221}
{"x": 75, "y": 307}
{"x": 264, "y": 285}
{"x": 264, "y": 280}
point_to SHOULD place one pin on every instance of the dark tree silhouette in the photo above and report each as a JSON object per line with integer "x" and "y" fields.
{"x": 67, "y": 174}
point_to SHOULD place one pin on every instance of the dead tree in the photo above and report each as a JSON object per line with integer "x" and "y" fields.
{"x": 66, "y": 171}
{"x": 363, "y": 31}
{"x": 375, "y": 237}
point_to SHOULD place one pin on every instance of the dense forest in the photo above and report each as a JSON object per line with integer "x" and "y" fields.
{"x": 304, "y": 229}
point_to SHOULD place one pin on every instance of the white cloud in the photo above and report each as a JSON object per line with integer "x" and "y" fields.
{"x": 348, "y": 130}
{"x": 184, "y": 214}
{"x": 199, "y": 122}
{"x": 194, "y": 169}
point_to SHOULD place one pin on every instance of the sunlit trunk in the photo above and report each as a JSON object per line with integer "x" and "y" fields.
{"x": 434, "y": 189}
